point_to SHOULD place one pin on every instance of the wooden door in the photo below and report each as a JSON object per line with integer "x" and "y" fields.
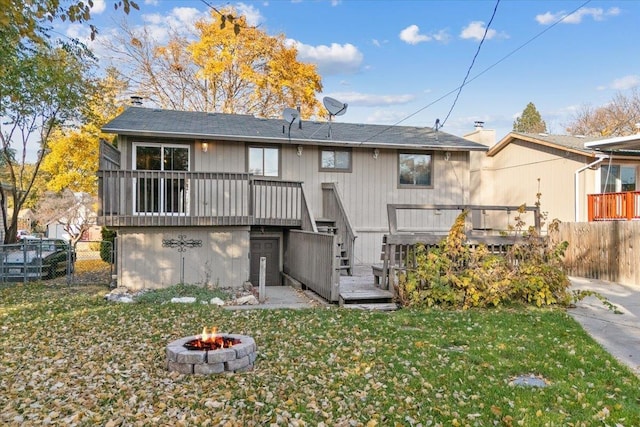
{"x": 269, "y": 248}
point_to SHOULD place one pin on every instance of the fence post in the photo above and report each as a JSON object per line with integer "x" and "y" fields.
{"x": 261, "y": 280}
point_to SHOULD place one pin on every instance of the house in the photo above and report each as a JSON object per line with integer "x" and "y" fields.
{"x": 563, "y": 169}
{"x": 607, "y": 246}
{"x": 204, "y": 197}
{"x": 619, "y": 198}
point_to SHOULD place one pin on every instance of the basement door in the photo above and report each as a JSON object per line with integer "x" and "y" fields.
{"x": 269, "y": 248}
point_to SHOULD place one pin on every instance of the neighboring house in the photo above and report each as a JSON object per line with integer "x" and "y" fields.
{"x": 562, "y": 168}
{"x": 74, "y": 223}
{"x": 201, "y": 197}
{"x": 619, "y": 198}
{"x": 26, "y": 218}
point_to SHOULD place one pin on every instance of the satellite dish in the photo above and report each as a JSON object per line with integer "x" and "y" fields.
{"x": 291, "y": 115}
{"x": 334, "y": 107}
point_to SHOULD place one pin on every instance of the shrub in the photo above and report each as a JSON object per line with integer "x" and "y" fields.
{"x": 106, "y": 246}
{"x": 200, "y": 293}
{"x": 457, "y": 276}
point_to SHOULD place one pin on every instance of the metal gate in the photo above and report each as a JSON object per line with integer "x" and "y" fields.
{"x": 34, "y": 259}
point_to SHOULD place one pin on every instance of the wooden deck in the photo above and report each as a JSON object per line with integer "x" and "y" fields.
{"x": 359, "y": 291}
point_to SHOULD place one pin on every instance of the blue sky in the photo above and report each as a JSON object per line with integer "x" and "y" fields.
{"x": 402, "y": 61}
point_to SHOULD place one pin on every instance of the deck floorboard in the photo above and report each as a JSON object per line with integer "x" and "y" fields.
{"x": 360, "y": 287}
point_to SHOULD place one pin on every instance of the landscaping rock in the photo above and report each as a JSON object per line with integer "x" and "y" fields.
{"x": 184, "y": 300}
{"x": 216, "y": 301}
{"x": 246, "y": 300}
{"x": 120, "y": 294}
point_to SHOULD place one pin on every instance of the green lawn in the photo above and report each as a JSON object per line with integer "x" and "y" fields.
{"x": 69, "y": 357}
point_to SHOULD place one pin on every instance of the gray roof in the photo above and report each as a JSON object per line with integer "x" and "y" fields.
{"x": 138, "y": 121}
{"x": 574, "y": 142}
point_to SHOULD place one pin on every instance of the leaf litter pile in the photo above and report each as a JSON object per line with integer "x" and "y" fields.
{"x": 71, "y": 358}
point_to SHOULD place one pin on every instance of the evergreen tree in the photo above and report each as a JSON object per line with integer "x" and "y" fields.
{"x": 530, "y": 121}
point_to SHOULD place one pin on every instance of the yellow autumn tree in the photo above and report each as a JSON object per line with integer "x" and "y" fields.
{"x": 250, "y": 72}
{"x": 72, "y": 161}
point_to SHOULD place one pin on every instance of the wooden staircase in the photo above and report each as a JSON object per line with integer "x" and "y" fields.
{"x": 366, "y": 297}
{"x": 359, "y": 292}
{"x": 325, "y": 225}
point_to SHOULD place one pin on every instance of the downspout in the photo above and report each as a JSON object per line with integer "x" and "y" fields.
{"x": 600, "y": 158}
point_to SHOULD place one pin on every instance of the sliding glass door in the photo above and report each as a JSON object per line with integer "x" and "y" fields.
{"x": 161, "y": 186}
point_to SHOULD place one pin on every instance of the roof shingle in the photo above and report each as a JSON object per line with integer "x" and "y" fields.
{"x": 200, "y": 125}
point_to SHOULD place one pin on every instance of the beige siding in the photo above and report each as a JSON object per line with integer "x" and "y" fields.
{"x": 144, "y": 263}
{"x": 521, "y": 170}
{"x": 365, "y": 191}
{"x": 372, "y": 184}
{"x": 479, "y": 184}
{"x": 221, "y": 156}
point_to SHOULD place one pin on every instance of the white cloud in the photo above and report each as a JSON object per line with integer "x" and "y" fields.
{"x": 371, "y": 100}
{"x": 179, "y": 19}
{"x": 334, "y": 59}
{"x": 385, "y": 117}
{"x": 252, "y": 15}
{"x": 78, "y": 31}
{"x": 151, "y": 2}
{"x": 186, "y": 15}
{"x": 475, "y": 30}
{"x": 626, "y": 82}
{"x": 99, "y": 6}
{"x": 598, "y": 14}
{"x": 412, "y": 35}
{"x": 441, "y": 36}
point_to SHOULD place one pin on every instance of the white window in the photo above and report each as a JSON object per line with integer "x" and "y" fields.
{"x": 618, "y": 178}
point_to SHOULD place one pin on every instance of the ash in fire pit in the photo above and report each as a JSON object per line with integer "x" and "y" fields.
{"x": 211, "y": 353}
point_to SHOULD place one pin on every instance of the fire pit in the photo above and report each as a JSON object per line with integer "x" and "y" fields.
{"x": 211, "y": 353}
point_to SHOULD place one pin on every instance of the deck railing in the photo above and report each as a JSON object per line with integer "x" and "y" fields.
{"x": 312, "y": 258}
{"x": 614, "y": 206}
{"x": 176, "y": 198}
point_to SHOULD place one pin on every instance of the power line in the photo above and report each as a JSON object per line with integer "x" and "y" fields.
{"x": 484, "y": 36}
{"x": 232, "y": 19}
{"x": 504, "y": 58}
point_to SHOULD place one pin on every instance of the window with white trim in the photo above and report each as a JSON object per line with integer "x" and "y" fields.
{"x": 618, "y": 178}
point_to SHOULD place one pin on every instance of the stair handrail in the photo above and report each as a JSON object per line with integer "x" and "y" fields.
{"x": 347, "y": 232}
{"x": 307, "y": 217}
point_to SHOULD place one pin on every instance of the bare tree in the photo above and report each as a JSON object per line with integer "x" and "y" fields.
{"x": 165, "y": 75}
{"x": 619, "y": 117}
{"x": 73, "y": 211}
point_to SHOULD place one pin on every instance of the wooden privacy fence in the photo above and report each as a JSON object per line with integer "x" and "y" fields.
{"x": 608, "y": 250}
{"x": 312, "y": 259}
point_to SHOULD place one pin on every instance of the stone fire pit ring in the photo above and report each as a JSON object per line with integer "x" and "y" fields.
{"x": 237, "y": 358}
